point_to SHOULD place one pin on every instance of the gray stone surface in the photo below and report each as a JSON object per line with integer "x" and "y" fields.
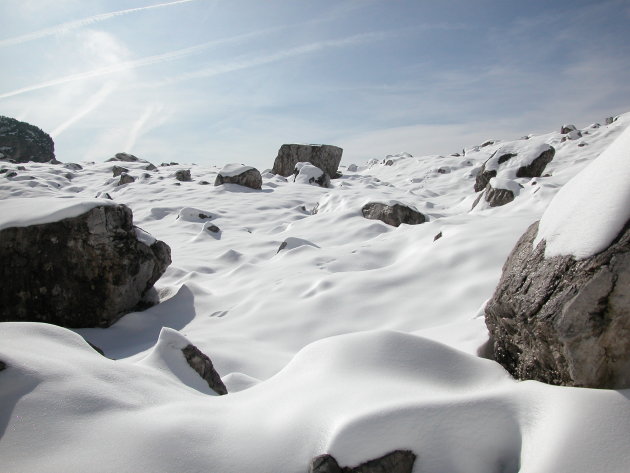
{"x": 564, "y": 129}
{"x": 183, "y": 175}
{"x": 118, "y": 170}
{"x": 323, "y": 180}
{"x": 202, "y": 364}
{"x": 250, "y": 178}
{"x": 398, "y": 461}
{"x": 85, "y": 271}
{"x": 2, "y": 365}
{"x": 325, "y": 157}
{"x": 564, "y": 321}
{"x": 23, "y": 142}
{"x": 126, "y": 179}
{"x": 392, "y": 214}
{"x": 494, "y": 196}
{"x": 534, "y": 169}
{"x": 124, "y": 157}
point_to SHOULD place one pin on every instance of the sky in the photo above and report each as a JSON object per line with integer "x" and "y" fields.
{"x": 221, "y": 81}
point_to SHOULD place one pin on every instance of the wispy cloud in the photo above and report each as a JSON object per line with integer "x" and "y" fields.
{"x": 139, "y": 124}
{"x": 73, "y": 25}
{"x": 136, "y": 63}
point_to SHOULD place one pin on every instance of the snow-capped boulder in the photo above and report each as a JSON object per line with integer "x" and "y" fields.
{"x": 564, "y": 129}
{"x": 398, "y": 461}
{"x": 561, "y": 311}
{"x": 352, "y": 168}
{"x": 325, "y": 157}
{"x": 306, "y": 173}
{"x": 392, "y": 214}
{"x": 498, "y": 192}
{"x": 23, "y": 142}
{"x": 514, "y": 160}
{"x": 239, "y": 174}
{"x": 125, "y": 157}
{"x": 73, "y": 166}
{"x": 183, "y": 175}
{"x": 74, "y": 262}
{"x": 125, "y": 179}
{"x": 118, "y": 170}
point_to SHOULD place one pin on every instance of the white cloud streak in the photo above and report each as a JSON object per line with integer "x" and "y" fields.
{"x": 139, "y": 124}
{"x": 73, "y": 25}
{"x": 136, "y": 63}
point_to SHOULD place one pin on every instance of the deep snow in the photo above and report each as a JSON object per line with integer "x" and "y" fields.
{"x": 356, "y": 339}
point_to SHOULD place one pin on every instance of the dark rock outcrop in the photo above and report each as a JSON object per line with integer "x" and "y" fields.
{"x": 392, "y": 214}
{"x": 22, "y": 142}
{"x": 534, "y": 169}
{"x": 85, "y": 271}
{"x": 325, "y": 157}
{"x": 398, "y": 461}
{"x": 73, "y": 166}
{"x": 503, "y": 192}
{"x": 124, "y": 157}
{"x": 202, "y": 364}
{"x": 564, "y": 129}
{"x": 118, "y": 170}
{"x": 564, "y": 321}
{"x": 242, "y": 175}
{"x": 126, "y": 179}
{"x": 183, "y": 175}
{"x": 2, "y": 365}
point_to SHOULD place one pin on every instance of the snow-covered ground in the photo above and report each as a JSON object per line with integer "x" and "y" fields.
{"x": 357, "y": 338}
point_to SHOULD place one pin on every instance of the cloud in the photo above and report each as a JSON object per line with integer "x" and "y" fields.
{"x": 73, "y": 25}
{"x": 140, "y": 124}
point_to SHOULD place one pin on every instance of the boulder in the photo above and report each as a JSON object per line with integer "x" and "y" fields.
{"x": 353, "y": 168}
{"x": 118, "y": 170}
{"x": 150, "y": 167}
{"x": 306, "y": 173}
{"x": 498, "y": 192}
{"x": 183, "y": 175}
{"x": 513, "y": 161}
{"x": 202, "y": 364}
{"x": 567, "y": 129}
{"x": 239, "y": 174}
{"x": 398, "y": 461}
{"x": 125, "y": 179}
{"x": 564, "y": 321}
{"x": 22, "y": 142}
{"x": 82, "y": 271}
{"x": 325, "y": 157}
{"x": 394, "y": 214}
{"x": 124, "y": 157}
{"x": 73, "y": 166}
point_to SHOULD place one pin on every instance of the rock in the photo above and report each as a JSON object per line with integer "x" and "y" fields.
{"x": 212, "y": 228}
{"x": 499, "y": 162}
{"x": 487, "y": 143}
{"x": 125, "y": 179}
{"x": 498, "y": 192}
{"x": 2, "y": 365}
{"x": 567, "y": 128}
{"x": 118, "y": 170}
{"x": 84, "y": 271}
{"x": 183, "y": 175}
{"x": 204, "y": 183}
{"x": 73, "y": 166}
{"x": 239, "y": 174}
{"x": 610, "y": 120}
{"x": 200, "y": 362}
{"x": 150, "y": 167}
{"x": 389, "y": 162}
{"x": 398, "y": 461}
{"x": 352, "y": 168}
{"x": 325, "y": 157}
{"x": 437, "y": 237}
{"x": 392, "y": 214}
{"x": 564, "y": 321}
{"x": 124, "y": 157}
{"x": 22, "y": 142}
{"x": 443, "y": 170}
{"x": 306, "y": 173}
{"x": 172, "y": 163}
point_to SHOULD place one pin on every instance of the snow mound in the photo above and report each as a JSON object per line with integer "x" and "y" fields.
{"x": 233, "y": 169}
{"x": 23, "y": 212}
{"x": 588, "y": 213}
{"x": 525, "y": 153}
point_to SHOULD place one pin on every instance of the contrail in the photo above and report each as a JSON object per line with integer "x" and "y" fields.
{"x": 73, "y": 25}
{"x": 133, "y": 64}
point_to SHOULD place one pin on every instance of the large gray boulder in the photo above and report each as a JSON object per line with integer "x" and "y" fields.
{"x": 564, "y": 321}
{"x": 398, "y": 461}
{"x": 394, "y": 214}
{"x": 240, "y": 174}
{"x": 83, "y": 271}
{"x": 512, "y": 162}
{"x": 325, "y": 157}
{"x": 22, "y": 142}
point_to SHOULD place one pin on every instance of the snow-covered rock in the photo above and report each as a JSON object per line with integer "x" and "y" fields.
{"x": 325, "y": 157}
{"x": 126, "y": 158}
{"x": 306, "y": 173}
{"x": 240, "y": 174}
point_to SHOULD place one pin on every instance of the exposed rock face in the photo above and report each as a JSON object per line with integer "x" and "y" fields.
{"x": 124, "y": 157}
{"x": 242, "y": 175}
{"x": 126, "y": 179}
{"x": 202, "y": 364}
{"x": 325, "y": 157}
{"x": 534, "y": 169}
{"x": 73, "y": 166}
{"x": 498, "y": 192}
{"x": 564, "y": 321}
{"x": 22, "y": 142}
{"x": 392, "y": 214}
{"x": 398, "y": 461}
{"x": 118, "y": 170}
{"x": 85, "y": 271}
{"x": 567, "y": 128}
{"x": 183, "y": 175}
{"x": 2, "y": 365}
{"x": 306, "y": 173}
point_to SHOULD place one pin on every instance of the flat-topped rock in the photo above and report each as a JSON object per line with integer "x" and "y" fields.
{"x": 325, "y": 157}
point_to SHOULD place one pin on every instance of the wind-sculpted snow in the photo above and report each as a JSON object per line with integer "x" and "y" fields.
{"x": 357, "y": 339}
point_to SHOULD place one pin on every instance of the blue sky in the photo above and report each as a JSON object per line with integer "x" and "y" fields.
{"x": 218, "y": 81}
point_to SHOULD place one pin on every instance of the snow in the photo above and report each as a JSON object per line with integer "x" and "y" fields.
{"x": 588, "y": 213}
{"x": 231, "y": 170}
{"x": 22, "y": 212}
{"x": 144, "y": 237}
{"x": 525, "y": 151}
{"x": 358, "y": 338}
{"x": 508, "y": 184}
{"x": 307, "y": 173}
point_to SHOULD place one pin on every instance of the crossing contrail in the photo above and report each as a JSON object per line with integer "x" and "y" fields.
{"x": 73, "y": 25}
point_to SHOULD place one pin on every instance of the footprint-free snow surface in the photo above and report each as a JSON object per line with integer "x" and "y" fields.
{"x": 353, "y": 338}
